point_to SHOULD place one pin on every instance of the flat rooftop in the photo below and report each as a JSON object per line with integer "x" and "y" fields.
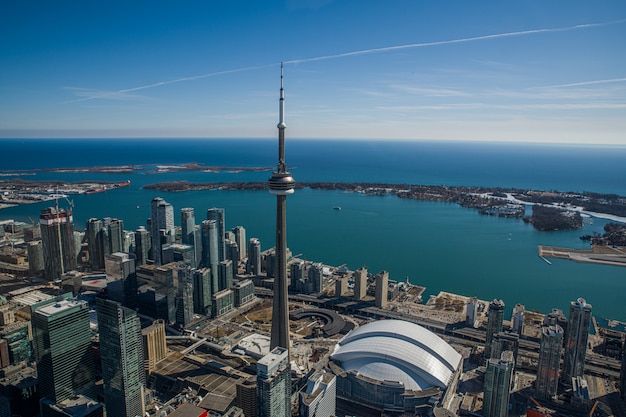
{"x": 60, "y": 306}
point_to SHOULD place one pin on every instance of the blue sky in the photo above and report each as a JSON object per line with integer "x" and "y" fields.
{"x": 532, "y": 71}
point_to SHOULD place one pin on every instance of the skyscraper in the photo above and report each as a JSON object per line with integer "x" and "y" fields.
{"x": 253, "y": 266}
{"x": 240, "y": 238}
{"x": 62, "y": 341}
{"x": 187, "y": 225}
{"x": 232, "y": 249}
{"x": 184, "y": 297}
{"x": 274, "y": 384}
{"x": 517, "y": 319}
{"x": 225, "y": 274}
{"x": 576, "y": 339}
{"x": 161, "y": 227}
{"x": 360, "y": 283}
{"x": 382, "y": 289}
{"x": 120, "y": 267}
{"x": 142, "y": 245}
{"x": 497, "y": 386}
{"x": 188, "y": 231}
{"x": 210, "y": 252}
{"x": 202, "y": 291}
{"x": 471, "y": 311}
{"x": 494, "y": 324}
{"x": 217, "y": 215}
{"x": 94, "y": 244}
{"x": 549, "y": 361}
{"x": 121, "y": 352}
{"x": 319, "y": 398}
{"x": 281, "y": 185}
{"x": 57, "y": 236}
{"x": 115, "y": 241}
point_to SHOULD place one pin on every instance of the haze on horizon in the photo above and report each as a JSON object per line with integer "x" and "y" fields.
{"x": 530, "y": 71}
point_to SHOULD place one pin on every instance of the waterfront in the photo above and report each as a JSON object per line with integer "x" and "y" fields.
{"x": 438, "y": 245}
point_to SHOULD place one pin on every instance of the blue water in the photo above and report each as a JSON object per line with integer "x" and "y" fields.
{"x": 438, "y": 245}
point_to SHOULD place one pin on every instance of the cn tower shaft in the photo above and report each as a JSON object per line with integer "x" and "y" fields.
{"x": 281, "y": 184}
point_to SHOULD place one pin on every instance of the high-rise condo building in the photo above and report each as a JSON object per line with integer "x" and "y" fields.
{"x": 549, "y": 361}
{"x": 94, "y": 244}
{"x": 202, "y": 291}
{"x": 494, "y": 324}
{"x": 210, "y": 251}
{"x": 319, "y": 398}
{"x": 104, "y": 237}
{"x": 240, "y": 238}
{"x": 360, "y": 283}
{"x": 225, "y": 274}
{"x": 184, "y": 297}
{"x": 471, "y": 311}
{"x": 497, "y": 386}
{"x": 253, "y": 266}
{"x": 382, "y": 289}
{"x": 142, "y": 246}
{"x": 246, "y": 396}
{"x": 504, "y": 341}
{"x": 232, "y": 249}
{"x": 517, "y": 319}
{"x": 57, "y": 236}
{"x": 217, "y": 215}
{"x": 120, "y": 266}
{"x": 161, "y": 227}
{"x": 274, "y": 384}
{"x": 188, "y": 231}
{"x": 576, "y": 339}
{"x": 121, "y": 352}
{"x": 62, "y": 341}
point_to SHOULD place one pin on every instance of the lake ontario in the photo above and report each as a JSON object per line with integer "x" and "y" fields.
{"x": 441, "y": 246}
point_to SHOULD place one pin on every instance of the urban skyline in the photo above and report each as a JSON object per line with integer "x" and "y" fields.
{"x": 531, "y": 71}
{"x": 166, "y": 273}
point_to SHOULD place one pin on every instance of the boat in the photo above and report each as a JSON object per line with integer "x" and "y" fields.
{"x": 337, "y": 207}
{"x": 123, "y": 184}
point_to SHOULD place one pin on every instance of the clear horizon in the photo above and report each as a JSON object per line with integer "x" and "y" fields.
{"x": 491, "y": 72}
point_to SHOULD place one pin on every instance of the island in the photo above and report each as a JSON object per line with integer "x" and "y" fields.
{"x": 552, "y": 210}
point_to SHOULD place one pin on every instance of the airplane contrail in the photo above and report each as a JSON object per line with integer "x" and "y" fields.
{"x": 612, "y": 80}
{"x": 353, "y": 53}
{"x": 452, "y": 41}
{"x": 161, "y": 83}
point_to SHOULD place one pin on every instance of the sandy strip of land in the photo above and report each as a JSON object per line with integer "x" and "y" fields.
{"x": 604, "y": 255}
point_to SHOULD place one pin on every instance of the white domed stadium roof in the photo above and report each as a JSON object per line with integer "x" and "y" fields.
{"x": 396, "y": 350}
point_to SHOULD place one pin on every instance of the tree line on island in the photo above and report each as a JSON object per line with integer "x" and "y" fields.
{"x": 550, "y": 208}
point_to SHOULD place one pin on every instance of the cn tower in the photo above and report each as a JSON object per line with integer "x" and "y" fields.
{"x": 281, "y": 185}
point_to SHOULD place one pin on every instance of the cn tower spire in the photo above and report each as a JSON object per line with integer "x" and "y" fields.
{"x": 281, "y": 185}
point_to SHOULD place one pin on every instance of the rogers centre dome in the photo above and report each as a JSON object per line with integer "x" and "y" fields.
{"x": 398, "y": 355}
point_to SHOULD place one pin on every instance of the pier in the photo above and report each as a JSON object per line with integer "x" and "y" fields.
{"x": 604, "y": 255}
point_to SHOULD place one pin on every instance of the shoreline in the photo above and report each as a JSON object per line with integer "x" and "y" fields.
{"x": 499, "y": 202}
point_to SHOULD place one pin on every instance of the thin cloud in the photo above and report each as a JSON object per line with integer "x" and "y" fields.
{"x": 582, "y": 83}
{"x": 453, "y": 41}
{"x": 162, "y": 83}
{"x": 432, "y": 92}
{"x": 87, "y": 94}
{"x": 350, "y": 54}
